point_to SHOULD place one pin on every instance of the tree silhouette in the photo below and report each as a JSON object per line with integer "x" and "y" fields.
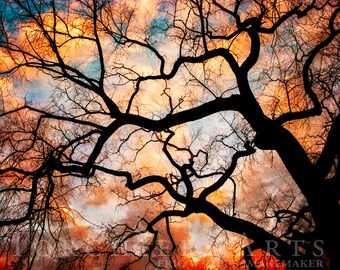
{"x": 168, "y": 106}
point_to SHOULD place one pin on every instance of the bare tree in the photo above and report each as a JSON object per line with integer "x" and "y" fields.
{"x": 215, "y": 90}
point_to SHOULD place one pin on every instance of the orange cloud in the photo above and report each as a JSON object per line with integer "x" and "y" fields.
{"x": 80, "y": 233}
{"x": 98, "y": 196}
{"x": 9, "y": 99}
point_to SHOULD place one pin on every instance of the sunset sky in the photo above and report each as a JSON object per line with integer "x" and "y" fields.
{"x": 91, "y": 206}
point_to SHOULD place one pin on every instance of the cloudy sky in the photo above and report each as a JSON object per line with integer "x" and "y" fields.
{"x": 102, "y": 201}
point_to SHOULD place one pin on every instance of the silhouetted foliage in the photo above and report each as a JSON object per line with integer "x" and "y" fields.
{"x": 175, "y": 108}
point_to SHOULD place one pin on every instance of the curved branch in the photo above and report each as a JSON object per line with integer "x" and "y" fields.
{"x": 167, "y": 214}
{"x": 106, "y": 134}
{"x": 220, "y": 182}
{"x": 316, "y": 110}
{"x": 286, "y": 16}
{"x": 253, "y": 56}
{"x": 225, "y": 53}
{"x": 40, "y": 172}
{"x": 260, "y": 237}
{"x": 152, "y": 179}
{"x": 156, "y": 179}
{"x": 234, "y": 102}
{"x": 330, "y": 150}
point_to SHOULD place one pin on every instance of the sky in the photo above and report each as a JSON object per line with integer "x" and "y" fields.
{"x": 93, "y": 204}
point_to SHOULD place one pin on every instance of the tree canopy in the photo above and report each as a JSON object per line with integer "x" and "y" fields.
{"x": 127, "y": 124}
